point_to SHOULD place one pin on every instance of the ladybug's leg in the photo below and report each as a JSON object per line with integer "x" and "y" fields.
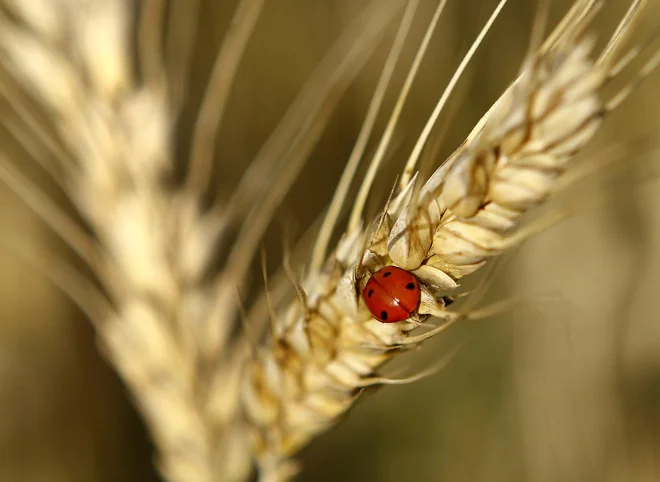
{"x": 417, "y": 318}
{"x": 448, "y": 300}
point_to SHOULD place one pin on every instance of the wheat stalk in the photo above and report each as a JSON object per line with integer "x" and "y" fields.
{"x": 215, "y": 402}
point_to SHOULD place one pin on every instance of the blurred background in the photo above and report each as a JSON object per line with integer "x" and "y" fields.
{"x": 563, "y": 387}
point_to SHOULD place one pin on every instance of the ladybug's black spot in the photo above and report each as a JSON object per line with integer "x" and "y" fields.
{"x": 386, "y": 274}
{"x": 383, "y": 315}
{"x": 371, "y": 292}
{"x": 410, "y": 286}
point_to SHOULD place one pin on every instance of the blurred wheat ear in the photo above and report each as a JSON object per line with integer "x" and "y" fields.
{"x": 224, "y": 388}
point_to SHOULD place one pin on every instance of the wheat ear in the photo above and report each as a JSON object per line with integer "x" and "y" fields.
{"x": 325, "y": 347}
{"x": 162, "y": 325}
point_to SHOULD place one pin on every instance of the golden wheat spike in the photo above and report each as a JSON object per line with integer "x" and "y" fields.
{"x": 510, "y": 163}
{"x": 309, "y": 372}
{"x": 162, "y": 333}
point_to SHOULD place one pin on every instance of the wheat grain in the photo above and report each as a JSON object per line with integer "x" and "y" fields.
{"x": 214, "y": 402}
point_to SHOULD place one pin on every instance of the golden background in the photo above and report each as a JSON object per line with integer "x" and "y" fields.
{"x": 565, "y": 387}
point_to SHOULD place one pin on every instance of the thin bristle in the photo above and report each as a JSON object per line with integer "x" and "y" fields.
{"x": 182, "y": 23}
{"x": 439, "y": 107}
{"x": 357, "y": 212}
{"x": 47, "y": 210}
{"x": 217, "y": 94}
{"x": 38, "y": 133}
{"x": 291, "y": 144}
{"x": 622, "y": 32}
{"x": 150, "y": 39}
{"x": 319, "y": 252}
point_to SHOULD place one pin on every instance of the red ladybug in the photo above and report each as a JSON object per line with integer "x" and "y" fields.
{"x": 392, "y": 294}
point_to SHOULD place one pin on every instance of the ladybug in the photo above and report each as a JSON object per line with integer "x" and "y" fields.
{"x": 392, "y": 294}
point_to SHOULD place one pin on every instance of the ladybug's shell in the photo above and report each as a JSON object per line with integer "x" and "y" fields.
{"x": 392, "y": 294}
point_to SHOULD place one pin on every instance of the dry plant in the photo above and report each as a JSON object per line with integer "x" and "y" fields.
{"x": 223, "y": 386}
